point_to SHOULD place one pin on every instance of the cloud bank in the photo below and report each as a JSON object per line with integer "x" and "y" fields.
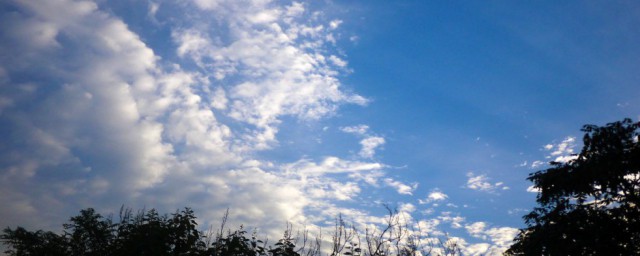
{"x": 94, "y": 116}
{"x": 92, "y": 112}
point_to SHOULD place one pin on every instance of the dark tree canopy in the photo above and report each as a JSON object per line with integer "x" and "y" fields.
{"x": 149, "y": 233}
{"x": 144, "y": 233}
{"x": 588, "y": 205}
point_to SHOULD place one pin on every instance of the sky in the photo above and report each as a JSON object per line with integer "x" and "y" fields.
{"x": 299, "y": 111}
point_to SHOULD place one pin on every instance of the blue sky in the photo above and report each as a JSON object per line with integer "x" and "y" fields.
{"x": 297, "y": 111}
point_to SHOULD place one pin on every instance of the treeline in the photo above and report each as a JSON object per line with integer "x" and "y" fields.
{"x": 147, "y": 232}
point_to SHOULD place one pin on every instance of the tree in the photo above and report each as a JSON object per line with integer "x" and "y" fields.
{"x": 146, "y": 233}
{"x": 149, "y": 233}
{"x": 89, "y": 234}
{"x": 588, "y": 205}
{"x": 27, "y": 243}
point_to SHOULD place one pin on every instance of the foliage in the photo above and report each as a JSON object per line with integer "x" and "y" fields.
{"x": 588, "y": 205}
{"x": 24, "y": 242}
{"x": 89, "y": 233}
{"x": 149, "y": 233}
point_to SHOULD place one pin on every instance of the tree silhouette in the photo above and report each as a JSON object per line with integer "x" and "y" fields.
{"x": 588, "y": 205}
{"x": 89, "y": 234}
{"x": 26, "y": 243}
{"x": 150, "y": 233}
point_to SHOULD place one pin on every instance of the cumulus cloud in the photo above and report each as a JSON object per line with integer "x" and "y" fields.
{"x": 369, "y": 142}
{"x": 369, "y": 146}
{"x": 500, "y": 237}
{"x": 319, "y": 178}
{"x": 429, "y": 227}
{"x": 477, "y": 249}
{"x": 106, "y": 119}
{"x": 533, "y": 189}
{"x": 456, "y": 221}
{"x": 435, "y": 196}
{"x": 563, "y": 151}
{"x": 495, "y": 240}
{"x": 335, "y": 190}
{"x": 481, "y": 183}
{"x": 476, "y": 228}
{"x": 94, "y": 116}
{"x": 73, "y": 143}
{"x": 407, "y": 208}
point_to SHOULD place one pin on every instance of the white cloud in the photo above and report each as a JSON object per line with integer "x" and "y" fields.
{"x": 153, "y": 9}
{"x": 357, "y": 129}
{"x": 533, "y": 189}
{"x": 207, "y": 4}
{"x": 100, "y": 119}
{"x": 282, "y": 76}
{"x": 536, "y": 164}
{"x": 564, "y": 159}
{"x": 477, "y": 249}
{"x": 427, "y": 211}
{"x": 517, "y": 211}
{"x": 334, "y": 24}
{"x": 369, "y": 146}
{"x": 400, "y": 187}
{"x": 476, "y": 229}
{"x": 111, "y": 118}
{"x": 435, "y": 196}
{"x": 429, "y": 227}
{"x": 481, "y": 183}
{"x": 455, "y": 221}
{"x": 334, "y": 190}
{"x": 563, "y": 151}
{"x": 564, "y": 147}
{"x": 501, "y": 237}
{"x": 295, "y": 9}
{"x": 337, "y": 61}
{"x": 330, "y": 165}
{"x": 92, "y": 129}
{"x": 370, "y": 177}
{"x": 369, "y": 142}
{"x": 407, "y": 207}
